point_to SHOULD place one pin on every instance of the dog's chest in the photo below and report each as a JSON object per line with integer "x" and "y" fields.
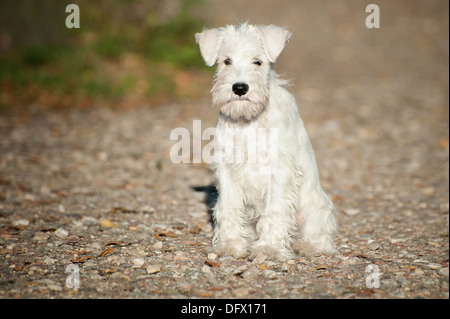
{"x": 249, "y": 153}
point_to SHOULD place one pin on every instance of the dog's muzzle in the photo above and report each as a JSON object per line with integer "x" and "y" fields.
{"x": 240, "y": 88}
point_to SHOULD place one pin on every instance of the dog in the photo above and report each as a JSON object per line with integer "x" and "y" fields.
{"x": 262, "y": 207}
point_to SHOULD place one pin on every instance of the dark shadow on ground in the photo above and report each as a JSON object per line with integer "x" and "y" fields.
{"x": 211, "y": 194}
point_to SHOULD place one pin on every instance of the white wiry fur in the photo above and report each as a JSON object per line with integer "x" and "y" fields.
{"x": 263, "y": 213}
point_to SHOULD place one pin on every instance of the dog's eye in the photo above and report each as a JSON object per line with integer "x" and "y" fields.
{"x": 227, "y": 61}
{"x": 257, "y": 62}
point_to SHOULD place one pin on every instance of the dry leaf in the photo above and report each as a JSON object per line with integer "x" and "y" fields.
{"x": 211, "y": 263}
{"x": 195, "y": 230}
{"x": 364, "y": 292}
{"x": 106, "y": 271}
{"x": 165, "y": 233}
{"x": 82, "y": 259}
{"x": 114, "y": 242}
{"x": 348, "y": 254}
{"x": 321, "y": 267}
{"x": 262, "y": 267}
{"x": 18, "y": 267}
{"x": 442, "y": 143}
{"x": 106, "y": 223}
{"x": 409, "y": 267}
{"x": 122, "y": 210}
{"x": 199, "y": 244}
{"x": 106, "y": 251}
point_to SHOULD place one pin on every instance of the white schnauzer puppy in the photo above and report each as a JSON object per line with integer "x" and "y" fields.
{"x": 262, "y": 211}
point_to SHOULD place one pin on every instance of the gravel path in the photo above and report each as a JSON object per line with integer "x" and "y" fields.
{"x": 92, "y": 195}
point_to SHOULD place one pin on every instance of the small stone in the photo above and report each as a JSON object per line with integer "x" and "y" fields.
{"x": 260, "y": 258}
{"x": 250, "y": 273}
{"x": 269, "y": 273}
{"x": 180, "y": 257}
{"x": 428, "y": 190}
{"x": 89, "y": 220}
{"x": 241, "y": 292}
{"x": 419, "y": 272}
{"x": 350, "y": 261}
{"x": 352, "y": 211}
{"x": 434, "y": 244}
{"x": 158, "y": 245}
{"x": 45, "y": 190}
{"x": 434, "y": 266}
{"x": 147, "y": 209}
{"x": 41, "y": 236}
{"x": 48, "y": 261}
{"x": 373, "y": 246}
{"x": 397, "y": 240}
{"x": 20, "y": 223}
{"x": 212, "y": 279}
{"x": 206, "y": 269}
{"x": 102, "y": 156}
{"x": 212, "y": 256}
{"x": 61, "y": 233}
{"x": 138, "y": 262}
{"x": 242, "y": 268}
{"x": 55, "y": 287}
{"x": 153, "y": 269}
{"x": 444, "y": 271}
{"x": 29, "y": 196}
{"x": 141, "y": 251}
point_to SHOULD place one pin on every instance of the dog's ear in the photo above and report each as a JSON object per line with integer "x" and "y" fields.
{"x": 274, "y": 39}
{"x": 208, "y": 41}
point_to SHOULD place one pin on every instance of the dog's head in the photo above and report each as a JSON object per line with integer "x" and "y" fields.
{"x": 244, "y": 55}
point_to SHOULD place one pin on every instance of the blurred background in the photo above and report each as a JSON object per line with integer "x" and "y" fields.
{"x": 126, "y": 53}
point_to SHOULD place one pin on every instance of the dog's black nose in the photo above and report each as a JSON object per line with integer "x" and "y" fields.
{"x": 240, "y": 88}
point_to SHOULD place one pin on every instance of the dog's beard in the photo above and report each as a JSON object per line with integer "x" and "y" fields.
{"x": 246, "y": 107}
{"x": 242, "y": 109}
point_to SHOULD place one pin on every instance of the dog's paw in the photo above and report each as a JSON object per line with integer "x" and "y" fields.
{"x": 307, "y": 249}
{"x": 272, "y": 253}
{"x": 233, "y": 248}
{"x": 303, "y": 248}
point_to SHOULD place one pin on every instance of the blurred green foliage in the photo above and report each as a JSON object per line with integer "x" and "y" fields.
{"x": 123, "y": 47}
{"x": 172, "y": 42}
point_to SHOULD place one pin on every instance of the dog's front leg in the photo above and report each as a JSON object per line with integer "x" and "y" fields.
{"x": 231, "y": 233}
{"x": 277, "y": 224}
